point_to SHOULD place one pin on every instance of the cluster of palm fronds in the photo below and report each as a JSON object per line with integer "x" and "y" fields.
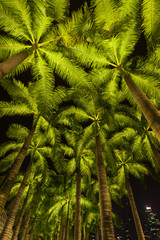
{"x": 93, "y": 102}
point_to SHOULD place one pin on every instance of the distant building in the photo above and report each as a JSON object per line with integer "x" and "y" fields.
{"x": 151, "y": 225}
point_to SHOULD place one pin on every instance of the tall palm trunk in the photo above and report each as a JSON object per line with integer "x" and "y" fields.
{"x": 136, "y": 218}
{"x": 27, "y": 232}
{"x": 5, "y": 189}
{"x": 77, "y": 227}
{"x": 67, "y": 224}
{"x": 104, "y": 198}
{"x": 7, "y": 231}
{"x": 25, "y": 226}
{"x": 97, "y": 237}
{"x": 8, "y": 65}
{"x": 61, "y": 231}
{"x": 32, "y": 232}
{"x": 17, "y": 227}
{"x": 148, "y": 109}
{"x": 156, "y": 154}
{"x": 87, "y": 234}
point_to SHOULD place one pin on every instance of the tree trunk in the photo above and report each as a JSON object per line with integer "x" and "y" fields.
{"x": 87, "y": 234}
{"x": 148, "y": 109}
{"x": 136, "y": 218}
{"x": 32, "y": 232}
{"x": 7, "y": 231}
{"x": 17, "y": 227}
{"x": 61, "y": 231}
{"x": 97, "y": 237}
{"x": 67, "y": 224}
{"x": 104, "y": 198}
{"x": 5, "y": 189}
{"x": 77, "y": 227}
{"x": 27, "y": 232}
{"x": 9, "y": 64}
{"x": 25, "y": 226}
{"x": 156, "y": 154}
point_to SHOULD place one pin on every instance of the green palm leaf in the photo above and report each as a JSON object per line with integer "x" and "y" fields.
{"x": 150, "y": 11}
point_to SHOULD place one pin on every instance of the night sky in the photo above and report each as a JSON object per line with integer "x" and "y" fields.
{"x": 149, "y": 196}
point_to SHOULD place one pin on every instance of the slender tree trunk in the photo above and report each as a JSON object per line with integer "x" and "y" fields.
{"x": 27, "y": 232}
{"x": 17, "y": 227}
{"x": 61, "y": 231}
{"x": 25, "y": 226}
{"x": 7, "y": 231}
{"x": 8, "y": 65}
{"x": 32, "y": 232}
{"x": 87, "y": 234}
{"x": 136, "y": 218}
{"x": 67, "y": 224}
{"x": 148, "y": 109}
{"x": 97, "y": 237}
{"x": 156, "y": 154}
{"x": 5, "y": 190}
{"x": 104, "y": 198}
{"x": 77, "y": 227}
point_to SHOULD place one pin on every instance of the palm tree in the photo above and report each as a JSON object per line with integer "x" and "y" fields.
{"x": 133, "y": 127}
{"x": 112, "y": 53}
{"x": 98, "y": 111}
{"x": 27, "y": 101}
{"x": 39, "y": 149}
{"x": 126, "y": 166}
{"x": 32, "y": 39}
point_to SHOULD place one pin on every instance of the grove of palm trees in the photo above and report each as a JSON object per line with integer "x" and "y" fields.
{"x": 79, "y": 115}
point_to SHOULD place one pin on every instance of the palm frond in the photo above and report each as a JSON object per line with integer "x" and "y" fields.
{"x": 44, "y": 85}
{"x": 11, "y": 109}
{"x": 41, "y": 22}
{"x": 9, "y": 24}
{"x": 150, "y": 11}
{"x": 90, "y": 56}
{"x": 9, "y": 146}
{"x": 9, "y": 47}
{"x": 18, "y": 92}
{"x": 22, "y": 14}
{"x": 128, "y": 9}
{"x": 58, "y": 9}
{"x": 128, "y": 40}
{"x": 105, "y": 13}
{"x": 17, "y": 132}
{"x": 65, "y": 69}
{"x": 7, "y": 161}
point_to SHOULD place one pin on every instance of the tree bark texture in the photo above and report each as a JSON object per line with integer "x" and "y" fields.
{"x": 156, "y": 154}
{"x": 9, "y": 64}
{"x": 77, "y": 227}
{"x": 32, "y": 232}
{"x": 136, "y": 218}
{"x": 17, "y": 227}
{"x": 87, "y": 234}
{"x": 107, "y": 229}
{"x": 7, "y": 231}
{"x": 61, "y": 231}
{"x": 148, "y": 109}
{"x": 97, "y": 237}
{"x": 5, "y": 189}
{"x": 25, "y": 226}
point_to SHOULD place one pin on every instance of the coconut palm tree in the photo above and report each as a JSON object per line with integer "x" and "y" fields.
{"x": 27, "y": 101}
{"x": 127, "y": 166}
{"x": 38, "y": 151}
{"x": 32, "y": 40}
{"x": 98, "y": 113}
{"x": 112, "y": 55}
